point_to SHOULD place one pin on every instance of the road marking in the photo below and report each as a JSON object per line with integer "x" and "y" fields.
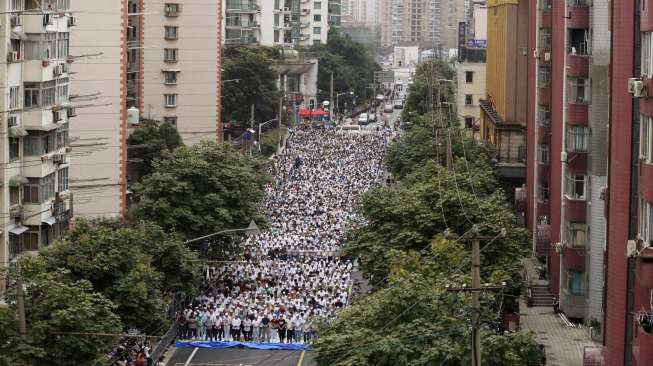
{"x": 190, "y": 358}
{"x": 301, "y": 358}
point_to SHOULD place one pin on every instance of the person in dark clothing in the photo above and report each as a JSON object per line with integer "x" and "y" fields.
{"x": 282, "y": 330}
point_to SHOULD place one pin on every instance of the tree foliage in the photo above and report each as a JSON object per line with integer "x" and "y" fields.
{"x": 202, "y": 189}
{"x": 427, "y": 87}
{"x": 351, "y": 63}
{"x": 250, "y": 80}
{"x": 56, "y": 305}
{"x": 137, "y": 268}
{"x": 148, "y": 142}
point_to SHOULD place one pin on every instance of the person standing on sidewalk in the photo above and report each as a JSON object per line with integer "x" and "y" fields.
{"x": 265, "y": 328}
{"x": 235, "y": 328}
{"x": 208, "y": 323}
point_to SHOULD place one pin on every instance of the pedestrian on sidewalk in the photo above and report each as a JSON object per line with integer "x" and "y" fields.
{"x": 256, "y": 326}
{"x": 265, "y": 328}
{"x": 201, "y": 327}
{"x": 208, "y": 323}
{"x": 235, "y": 328}
{"x": 182, "y": 325}
{"x": 247, "y": 329}
{"x": 282, "y": 330}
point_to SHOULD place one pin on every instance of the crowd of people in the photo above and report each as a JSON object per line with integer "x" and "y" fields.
{"x": 293, "y": 278}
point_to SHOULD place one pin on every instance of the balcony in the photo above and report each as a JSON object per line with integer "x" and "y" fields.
{"x": 574, "y": 258}
{"x": 577, "y": 114}
{"x": 578, "y": 65}
{"x": 579, "y": 14}
{"x": 575, "y": 210}
{"x": 48, "y": 22}
{"x": 543, "y": 239}
{"x": 241, "y": 41}
{"x": 242, "y": 7}
{"x": 521, "y": 198}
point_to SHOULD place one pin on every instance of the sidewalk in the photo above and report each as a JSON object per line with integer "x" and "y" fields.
{"x": 564, "y": 345}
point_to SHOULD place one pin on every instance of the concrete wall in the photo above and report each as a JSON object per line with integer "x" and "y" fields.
{"x": 197, "y": 79}
{"x": 476, "y": 89}
{"x": 97, "y": 175}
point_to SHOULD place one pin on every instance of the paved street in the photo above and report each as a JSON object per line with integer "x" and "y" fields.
{"x": 239, "y": 357}
{"x": 564, "y": 345}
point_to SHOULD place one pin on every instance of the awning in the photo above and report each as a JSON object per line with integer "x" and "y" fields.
{"x": 49, "y": 127}
{"x": 17, "y": 180}
{"x": 50, "y": 220}
{"x": 16, "y": 131}
{"x": 17, "y": 230}
{"x": 304, "y": 112}
{"x": 19, "y": 35}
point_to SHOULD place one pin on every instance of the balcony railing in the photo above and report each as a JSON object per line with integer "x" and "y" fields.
{"x": 241, "y": 40}
{"x": 242, "y": 6}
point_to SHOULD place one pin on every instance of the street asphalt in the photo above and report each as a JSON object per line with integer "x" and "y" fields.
{"x": 238, "y": 357}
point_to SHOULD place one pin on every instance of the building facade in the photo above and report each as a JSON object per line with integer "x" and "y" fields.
{"x": 414, "y": 22}
{"x": 284, "y": 23}
{"x": 35, "y": 151}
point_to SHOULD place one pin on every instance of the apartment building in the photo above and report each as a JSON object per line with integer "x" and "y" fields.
{"x": 414, "y": 22}
{"x": 334, "y": 11}
{"x": 99, "y": 89}
{"x": 504, "y": 108}
{"x": 567, "y": 168}
{"x": 36, "y": 111}
{"x": 180, "y": 68}
{"x": 285, "y": 23}
{"x": 362, "y": 12}
{"x": 450, "y": 13}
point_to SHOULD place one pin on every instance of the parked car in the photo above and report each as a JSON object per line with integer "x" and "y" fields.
{"x": 380, "y": 97}
{"x": 372, "y": 117}
{"x": 363, "y": 119}
{"x": 399, "y": 104}
{"x": 388, "y": 108}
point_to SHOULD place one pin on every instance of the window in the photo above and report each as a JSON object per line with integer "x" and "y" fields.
{"x": 39, "y": 143}
{"x": 172, "y": 10}
{"x": 171, "y": 100}
{"x": 544, "y": 115}
{"x": 170, "y": 55}
{"x": 577, "y": 234}
{"x": 14, "y": 149}
{"x": 171, "y": 32}
{"x": 546, "y": 4}
{"x": 469, "y": 76}
{"x": 31, "y": 238}
{"x": 62, "y": 180}
{"x": 543, "y": 154}
{"x": 646, "y": 139}
{"x": 170, "y": 77}
{"x": 577, "y": 186}
{"x": 42, "y": 94}
{"x": 469, "y": 122}
{"x": 544, "y": 77}
{"x": 170, "y": 119}
{"x": 14, "y": 97}
{"x": 577, "y": 138}
{"x": 645, "y": 217}
{"x": 469, "y": 99}
{"x": 63, "y": 138}
{"x": 63, "y": 45}
{"x": 317, "y": 18}
{"x": 647, "y": 57}
{"x": 317, "y": 30}
{"x": 14, "y": 196}
{"x": 62, "y": 91}
{"x": 579, "y": 91}
{"x": 545, "y": 38}
{"x": 317, "y": 5}
{"x": 543, "y": 192}
{"x": 39, "y": 190}
{"x": 575, "y": 280}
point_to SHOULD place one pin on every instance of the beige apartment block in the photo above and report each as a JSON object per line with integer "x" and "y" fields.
{"x": 471, "y": 88}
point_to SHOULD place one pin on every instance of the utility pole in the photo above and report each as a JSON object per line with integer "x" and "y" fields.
{"x": 475, "y": 290}
{"x": 20, "y": 305}
{"x": 251, "y": 120}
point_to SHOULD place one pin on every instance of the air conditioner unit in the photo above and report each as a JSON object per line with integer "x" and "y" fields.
{"x": 13, "y": 56}
{"x": 631, "y": 249}
{"x": 563, "y": 157}
{"x": 72, "y": 112}
{"x": 56, "y": 116}
{"x": 16, "y": 20}
{"x": 286, "y": 9}
{"x": 72, "y": 21}
{"x": 547, "y": 56}
{"x": 631, "y": 85}
{"x": 12, "y": 121}
{"x": 639, "y": 90}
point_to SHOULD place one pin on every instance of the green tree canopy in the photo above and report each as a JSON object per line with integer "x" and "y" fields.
{"x": 54, "y": 306}
{"x": 138, "y": 268}
{"x": 203, "y": 189}
{"x": 249, "y": 80}
{"x": 148, "y": 142}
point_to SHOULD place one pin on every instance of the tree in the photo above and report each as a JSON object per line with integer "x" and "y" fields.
{"x": 202, "y": 189}
{"x": 427, "y": 87}
{"x": 147, "y": 144}
{"x": 55, "y": 306}
{"x": 248, "y": 79}
{"x": 416, "y": 321}
{"x": 137, "y": 268}
{"x": 351, "y": 63}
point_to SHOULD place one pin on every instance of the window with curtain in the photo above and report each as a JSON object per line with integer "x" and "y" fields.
{"x": 647, "y": 59}
{"x": 577, "y": 186}
{"x": 577, "y": 234}
{"x": 646, "y": 138}
{"x": 577, "y": 138}
{"x": 575, "y": 282}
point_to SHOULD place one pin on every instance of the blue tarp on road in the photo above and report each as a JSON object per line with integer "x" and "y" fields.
{"x": 250, "y": 345}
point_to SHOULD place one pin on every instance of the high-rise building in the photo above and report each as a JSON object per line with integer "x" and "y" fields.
{"x": 567, "y": 165}
{"x": 334, "y": 11}
{"x": 180, "y": 64}
{"x": 37, "y": 111}
{"x": 100, "y": 89}
{"x": 449, "y": 13}
{"x": 284, "y": 23}
{"x": 421, "y": 22}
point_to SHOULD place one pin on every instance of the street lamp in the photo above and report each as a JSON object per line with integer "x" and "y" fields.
{"x": 250, "y": 230}
{"x": 260, "y": 126}
{"x": 337, "y": 100}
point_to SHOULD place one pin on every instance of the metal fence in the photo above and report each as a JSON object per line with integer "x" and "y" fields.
{"x": 164, "y": 342}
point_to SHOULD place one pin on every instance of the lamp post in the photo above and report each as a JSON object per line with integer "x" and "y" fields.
{"x": 260, "y": 126}
{"x": 337, "y": 101}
